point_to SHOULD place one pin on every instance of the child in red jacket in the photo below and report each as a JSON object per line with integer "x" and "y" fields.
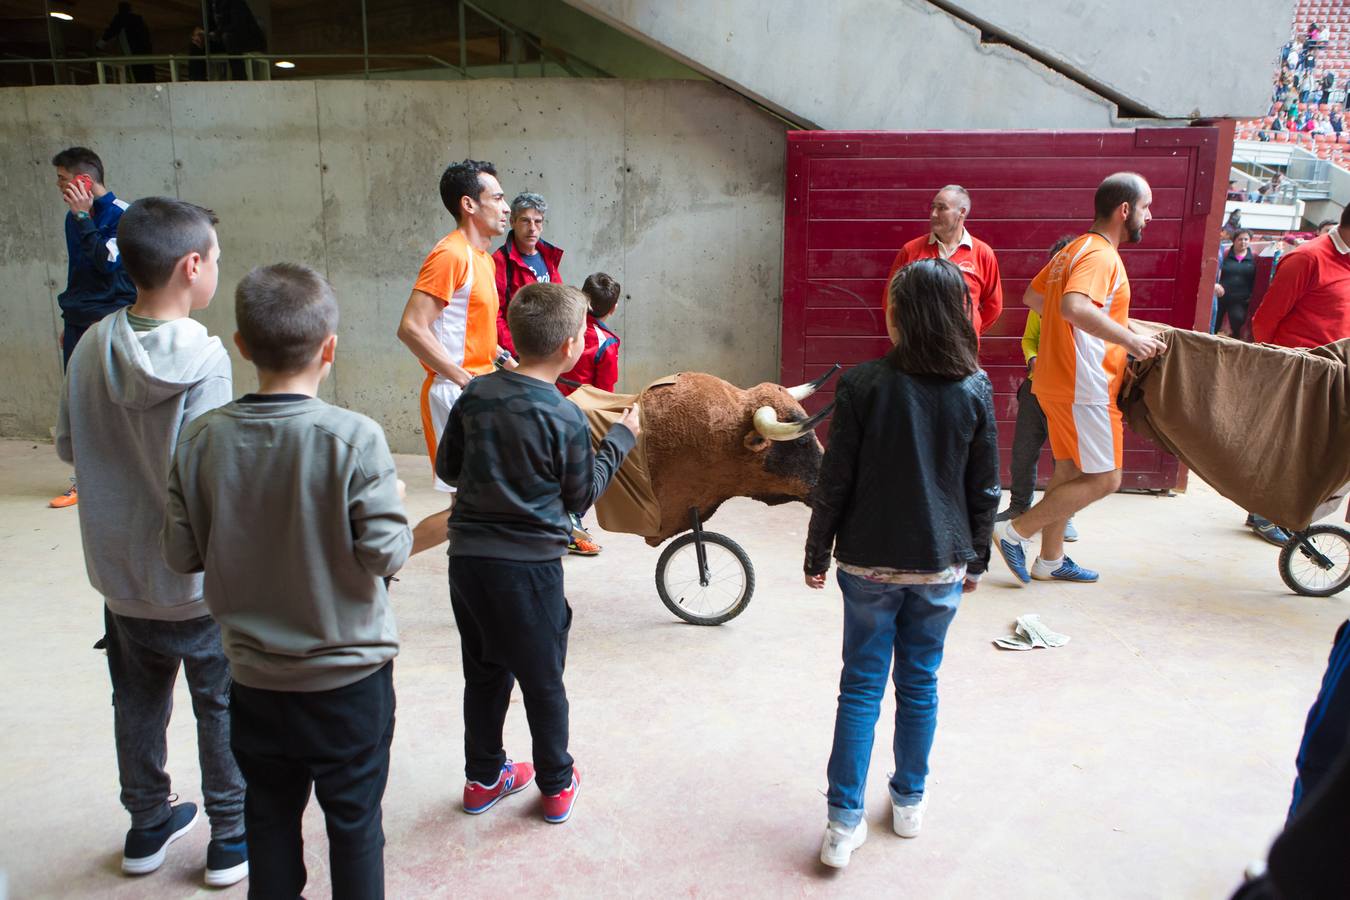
{"x": 599, "y": 363}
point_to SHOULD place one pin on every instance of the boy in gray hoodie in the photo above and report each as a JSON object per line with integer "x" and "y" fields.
{"x": 295, "y": 511}
{"x": 134, "y": 381}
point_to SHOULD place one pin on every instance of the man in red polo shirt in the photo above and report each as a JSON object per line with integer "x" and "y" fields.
{"x": 1308, "y": 301}
{"x": 1306, "y": 305}
{"x": 948, "y": 239}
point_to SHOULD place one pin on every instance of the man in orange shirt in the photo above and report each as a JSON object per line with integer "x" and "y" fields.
{"x": 450, "y": 320}
{"x": 948, "y": 239}
{"x": 1083, "y": 297}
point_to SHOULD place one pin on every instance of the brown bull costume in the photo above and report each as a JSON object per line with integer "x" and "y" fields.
{"x": 703, "y": 442}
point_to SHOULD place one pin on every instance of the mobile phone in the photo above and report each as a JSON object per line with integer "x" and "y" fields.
{"x": 85, "y": 182}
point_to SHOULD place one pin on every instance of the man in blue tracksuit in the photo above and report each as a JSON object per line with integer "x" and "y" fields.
{"x": 96, "y": 283}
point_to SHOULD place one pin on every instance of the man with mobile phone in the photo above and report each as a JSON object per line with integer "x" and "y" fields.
{"x": 96, "y": 283}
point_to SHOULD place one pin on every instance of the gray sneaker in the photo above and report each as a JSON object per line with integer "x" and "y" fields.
{"x": 1070, "y": 532}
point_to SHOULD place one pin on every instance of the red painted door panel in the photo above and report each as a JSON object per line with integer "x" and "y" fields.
{"x": 854, "y": 197}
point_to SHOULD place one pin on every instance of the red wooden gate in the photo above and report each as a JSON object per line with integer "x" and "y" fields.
{"x": 854, "y": 197}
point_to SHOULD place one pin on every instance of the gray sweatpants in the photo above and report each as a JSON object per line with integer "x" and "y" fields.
{"x": 143, "y": 660}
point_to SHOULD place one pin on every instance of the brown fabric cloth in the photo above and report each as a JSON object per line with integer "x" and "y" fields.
{"x": 1268, "y": 427}
{"x": 628, "y": 505}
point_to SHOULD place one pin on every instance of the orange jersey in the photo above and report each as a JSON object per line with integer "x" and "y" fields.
{"x": 464, "y": 279}
{"x": 1073, "y": 365}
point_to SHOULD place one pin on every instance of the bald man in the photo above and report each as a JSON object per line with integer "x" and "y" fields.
{"x": 1083, "y": 298}
{"x": 948, "y": 239}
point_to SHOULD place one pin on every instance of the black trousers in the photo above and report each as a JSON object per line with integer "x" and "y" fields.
{"x": 1029, "y": 437}
{"x": 513, "y": 621}
{"x": 69, "y": 338}
{"x": 1235, "y": 310}
{"x": 336, "y": 742}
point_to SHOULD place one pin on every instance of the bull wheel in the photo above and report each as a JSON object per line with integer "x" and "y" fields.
{"x": 1316, "y": 562}
{"x": 719, "y": 594}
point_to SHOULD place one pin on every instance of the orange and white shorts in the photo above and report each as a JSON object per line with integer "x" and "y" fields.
{"x": 438, "y": 396}
{"x": 1090, "y": 434}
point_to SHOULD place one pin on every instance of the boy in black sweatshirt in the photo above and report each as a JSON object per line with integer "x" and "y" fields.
{"x": 520, "y": 455}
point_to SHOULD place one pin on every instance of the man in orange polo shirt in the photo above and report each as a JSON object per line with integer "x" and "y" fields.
{"x": 450, "y": 321}
{"x": 1083, "y": 297}
{"x": 948, "y": 239}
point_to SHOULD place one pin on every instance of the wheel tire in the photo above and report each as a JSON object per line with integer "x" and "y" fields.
{"x": 726, "y": 615}
{"x": 1287, "y": 555}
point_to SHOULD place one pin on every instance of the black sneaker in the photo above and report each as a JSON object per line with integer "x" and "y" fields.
{"x": 226, "y": 862}
{"x": 146, "y": 847}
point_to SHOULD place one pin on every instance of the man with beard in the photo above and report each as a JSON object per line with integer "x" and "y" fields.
{"x": 1083, "y": 298}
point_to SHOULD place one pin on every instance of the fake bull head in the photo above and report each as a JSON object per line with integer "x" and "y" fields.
{"x": 708, "y": 441}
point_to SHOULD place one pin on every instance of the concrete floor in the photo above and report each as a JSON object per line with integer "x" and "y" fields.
{"x": 1150, "y": 757}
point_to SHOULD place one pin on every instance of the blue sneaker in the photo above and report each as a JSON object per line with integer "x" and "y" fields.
{"x": 1014, "y": 555}
{"x": 146, "y": 848}
{"x": 1070, "y": 532}
{"x": 226, "y": 862}
{"x": 1068, "y": 570}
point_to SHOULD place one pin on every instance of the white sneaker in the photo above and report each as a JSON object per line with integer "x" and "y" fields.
{"x": 839, "y": 843}
{"x": 907, "y": 820}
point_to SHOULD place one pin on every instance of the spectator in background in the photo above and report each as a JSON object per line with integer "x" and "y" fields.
{"x": 1326, "y": 227}
{"x": 1234, "y": 220}
{"x": 524, "y": 258}
{"x": 1314, "y": 34}
{"x": 197, "y": 52}
{"x": 1336, "y": 121}
{"x": 235, "y": 28}
{"x": 1291, "y": 54}
{"x": 1237, "y": 277}
{"x": 1271, "y": 190}
{"x": 135, "y": 41}
{"x": 1235, "y": 192}
{"x": 1323, "y": 124}
{"x": 1328, "y": 81}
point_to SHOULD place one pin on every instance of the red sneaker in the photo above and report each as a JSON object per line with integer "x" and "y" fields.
{"x": 558, "y": 808}
{"x": 479, "y": 798}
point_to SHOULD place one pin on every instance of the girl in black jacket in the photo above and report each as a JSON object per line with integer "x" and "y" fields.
{"x": 906, "y": 500}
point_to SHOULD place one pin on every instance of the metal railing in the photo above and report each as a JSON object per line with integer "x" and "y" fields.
{"x": 256, "y": 64}
{"x": 1306, "y": 177}
{"x": 106, "y": 66}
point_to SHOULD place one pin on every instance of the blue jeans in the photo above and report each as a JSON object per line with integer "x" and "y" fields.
{"x": 912, "y": 620}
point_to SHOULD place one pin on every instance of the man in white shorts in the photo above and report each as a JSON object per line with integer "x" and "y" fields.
{"x": 450, "y": 322}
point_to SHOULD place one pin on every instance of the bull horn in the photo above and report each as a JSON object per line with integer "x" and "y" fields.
{"x": 802, "y": 391}
{"x": 767, "y": 424}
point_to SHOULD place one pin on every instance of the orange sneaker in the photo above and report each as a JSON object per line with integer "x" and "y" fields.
{"x": 582, "y": 547}
{"x": 69, "y": 498}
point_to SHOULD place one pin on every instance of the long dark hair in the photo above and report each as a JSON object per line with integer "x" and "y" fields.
{"x": 930, "y": 306}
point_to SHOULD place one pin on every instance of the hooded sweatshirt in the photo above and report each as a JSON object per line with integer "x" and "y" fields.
{"x": 127, "y": 396}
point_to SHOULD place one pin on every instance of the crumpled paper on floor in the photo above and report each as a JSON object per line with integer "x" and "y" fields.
{"x": 1030, "y": 634}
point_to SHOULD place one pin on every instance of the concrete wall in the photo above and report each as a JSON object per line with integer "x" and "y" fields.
{"x": 859, "y": 64}
{"x": 896, "y": 64}
{"x": 674, "y": 188}
{"x": 1177, "y": 60}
